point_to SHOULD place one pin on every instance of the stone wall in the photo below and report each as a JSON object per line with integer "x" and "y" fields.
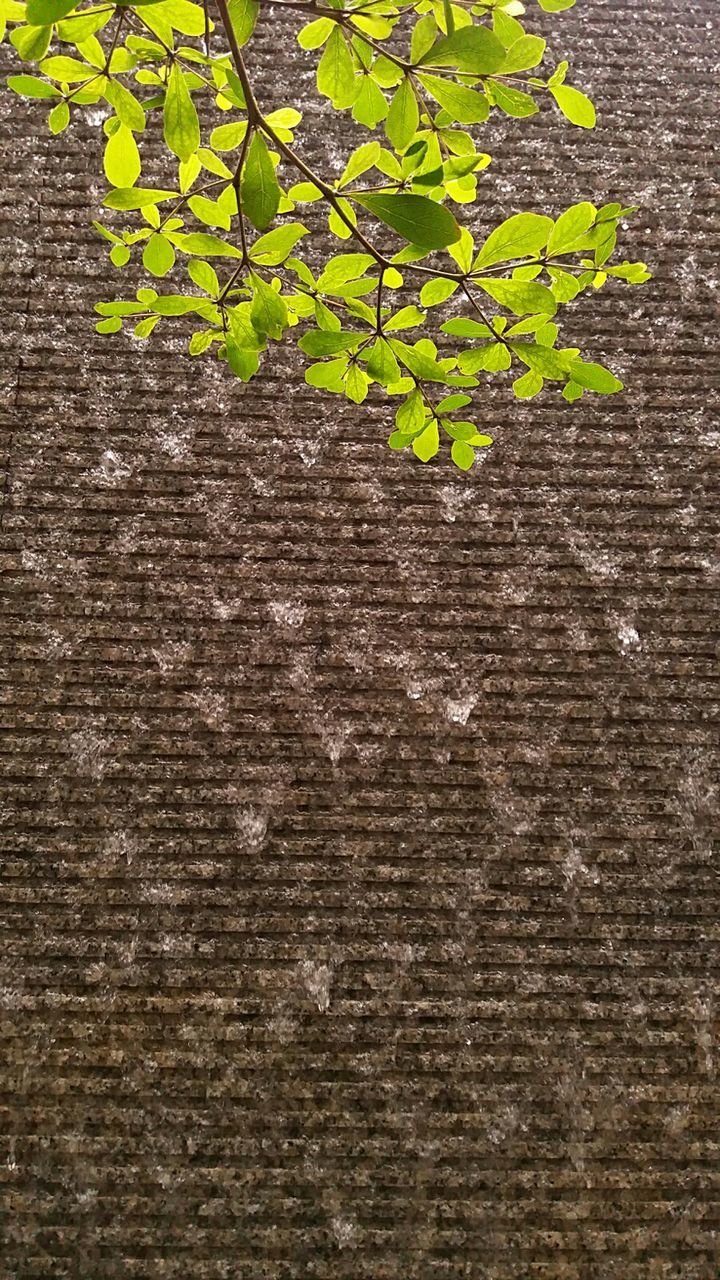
{"x": 359, "y": 912}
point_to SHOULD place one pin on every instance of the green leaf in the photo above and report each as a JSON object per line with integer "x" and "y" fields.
{"x": 595, "y": 377}
{"x": 522, "y": 235}
{"x": 121, "y": 160}
{"x": 397, "y": 440}
{"x": 321, "y": 342}
{"x": 573, "y": 391}
{"x": 119, "y": 254}
{"x": 32, "y": 43}
{"x": 173, "y": 304}
{"x": 305, "y": 192}
{"x": 556, "y": 6}
{"x": 462, "y": 454}
{"x": 403, "y": 117}
{"x": 370, "y": 106}
{"x": 411, "y": 414}
{"x": 424, "y": 35}
{"x": 464, "y": 327}
{"x": 31, "y": 87}
{"x": 243, "y": 16}
{"x": 315, "y": 33}
{"x": 493, "y": 357}
{"x": 336, "y": 73}
{"x": 67, "y": 70}
{"x": 41, "y": 12}
{"x": 205, "y": 245}
{"x": 126, "y": 105}
{"x": 575, "y": 106}
{"x": 570, "y": 229}
{"x": 632, "y": 272}
{"x": 259, "y": 191}
{"x": 144, "y": 328}
{"x": 544, "y": 360}
{"x": 525, "y": 53}
{"x": 78, "y": 26}
{"x": 209, "y": 212}
{"x": 269, "y": 313}
{"x": 426, "y": 445}
{"x": 203, "y": 275}
{"x": 436, "y": 291}
{"x": 382, "y": 364}
{"x": 112, "y": 325}
{"x": 453, "y": 402}
{"x": 360, "y": 161}
{"x": 228, "y": 136}
{"x": 406, "y": 318}
{"x": 513, "y": 102}
{"x": 136, "y": 197}
{"x": 328, "y": 375}
{"x": 565, "y": 286}
{"x": 181, "y": 128}
{"x": 213, "y": 163}
{"x": 528, "y": 386}
{"x": 59, "y": 118}
{"x": 522, "y": 297}
{"x": 356, "y": 384}
{"x": 344, "y": 267}
{"x": 243, "y": 361}
{"x": 419, "y": 364}
{"x": 463, "y": 104}
{"x": 158, "y": 256}
{"x": 471, "y": 49}
{"x": 200, "y": 342}
{"x": 416, "y": 218}
{"x": 274, "y": 247}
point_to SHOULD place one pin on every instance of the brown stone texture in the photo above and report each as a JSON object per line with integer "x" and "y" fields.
{"x": 359, "y": 903}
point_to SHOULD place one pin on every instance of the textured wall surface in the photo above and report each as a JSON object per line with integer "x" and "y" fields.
{"x": 359, "y": 912}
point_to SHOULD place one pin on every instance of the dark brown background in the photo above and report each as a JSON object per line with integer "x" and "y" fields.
{"x": 359, "y": 907}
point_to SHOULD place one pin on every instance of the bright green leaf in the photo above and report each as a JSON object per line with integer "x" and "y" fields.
{"x": 136, "y": 197}
{"x": 426, "y": 445}
{"x": 243, "y": 15}
{"x": 403, "y": 117}
{"x": 121, "y": 160}
{"x": 463, "y": 104}
{"x": 259, "y": 190}
{"x": 181, "y": 128}
{"x": 32, "y": 87}
{"x": 462, "y": 454}
{"x": 472, "y": 49}
{"x": 520, "y": 296}
{"x": 595, "y": 377}
{"x": 575, "y": 106}
{"x": 158, "y": 256}
{"x": 522, "y": 235}
{"x": 336, "y": 73}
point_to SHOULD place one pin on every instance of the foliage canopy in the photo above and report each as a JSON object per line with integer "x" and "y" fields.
{"x": 418, "y": 75}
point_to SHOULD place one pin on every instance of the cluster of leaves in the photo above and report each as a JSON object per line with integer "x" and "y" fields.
{"x": 464, "y": 59}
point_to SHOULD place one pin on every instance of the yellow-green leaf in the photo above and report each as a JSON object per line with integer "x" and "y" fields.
{"x": 122, "y": 158}
{"x": 463, "y": 104}
{"x": 259, "y": 190}
{"x": 243, "y": 15}
{"x": 158, "y": 255}
{"x": 575, "y": 106}
{"x": 336, "y": 74}
{"x": 181, "y": 128}
{"x": 403, "y": 117}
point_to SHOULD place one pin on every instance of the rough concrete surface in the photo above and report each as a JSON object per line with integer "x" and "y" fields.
{"x": 360, "y": 915}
